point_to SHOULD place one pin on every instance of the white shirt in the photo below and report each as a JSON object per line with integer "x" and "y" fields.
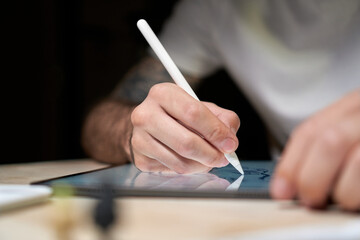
{"x": 290, "y": 58}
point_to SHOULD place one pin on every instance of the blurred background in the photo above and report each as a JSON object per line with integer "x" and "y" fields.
{"x": 63, "y": 56}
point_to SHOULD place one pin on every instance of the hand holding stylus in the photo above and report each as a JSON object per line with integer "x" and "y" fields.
{"x": 174, "y": 132}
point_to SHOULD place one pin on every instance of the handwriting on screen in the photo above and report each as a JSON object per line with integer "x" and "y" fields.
{"x": 264, "y": 174}
{"x": 257, "y": 174}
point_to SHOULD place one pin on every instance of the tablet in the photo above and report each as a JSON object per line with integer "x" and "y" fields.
{"x": 127, "y": 180}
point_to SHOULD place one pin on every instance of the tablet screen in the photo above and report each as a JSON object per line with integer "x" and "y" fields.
{"x": 127, "y": 180}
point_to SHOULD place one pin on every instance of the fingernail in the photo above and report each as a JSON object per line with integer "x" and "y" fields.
{"x": 282, "y": 189}
{"x": 228, "y": 145}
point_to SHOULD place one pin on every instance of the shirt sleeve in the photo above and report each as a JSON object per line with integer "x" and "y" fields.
{"x": 188, "y": 38}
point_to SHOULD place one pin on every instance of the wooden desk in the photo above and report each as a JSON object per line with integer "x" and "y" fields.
{"x": 147, "y": 218}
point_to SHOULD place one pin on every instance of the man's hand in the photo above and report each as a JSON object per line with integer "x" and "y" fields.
{"x": 107, "y": 127}
{"x": 173, "y": 132}
{"x": 322, "y": 158}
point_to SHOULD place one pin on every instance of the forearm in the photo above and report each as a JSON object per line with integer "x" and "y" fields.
{"x": 106, "y": 131}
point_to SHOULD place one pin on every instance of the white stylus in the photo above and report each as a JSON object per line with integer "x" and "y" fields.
{"x": 176, "y": 75}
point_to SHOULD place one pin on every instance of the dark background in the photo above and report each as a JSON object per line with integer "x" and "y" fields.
{"x": 64, "y": 56}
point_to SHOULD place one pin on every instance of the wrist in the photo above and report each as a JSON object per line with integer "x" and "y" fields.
{"x": 106, "y": 132}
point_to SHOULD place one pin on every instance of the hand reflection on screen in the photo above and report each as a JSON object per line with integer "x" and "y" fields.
{"x": 169, "y": 181}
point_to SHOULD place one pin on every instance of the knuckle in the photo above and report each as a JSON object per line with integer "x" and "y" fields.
{"x": 234, "y": 119}
{"x": 158, "y": 90}
{"x": 333, "y": 139}
{"x": 192, "y": 112}
{"x": 217, "y": 133}
{"x": 187, "y": 147}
